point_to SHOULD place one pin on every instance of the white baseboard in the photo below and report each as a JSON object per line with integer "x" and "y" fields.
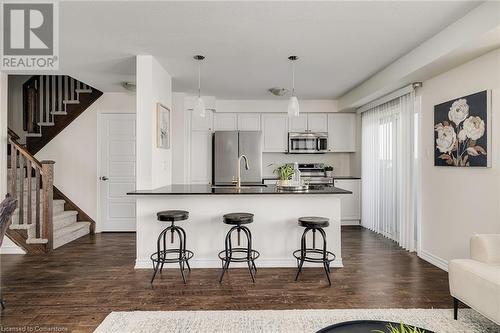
{"x": 216, "y": 263}
{"x": 435, "y": 260}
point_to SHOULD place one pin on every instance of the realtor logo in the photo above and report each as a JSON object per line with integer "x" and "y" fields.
{"x": 30, "y": 36}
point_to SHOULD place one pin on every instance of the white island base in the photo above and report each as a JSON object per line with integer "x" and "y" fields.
{"x": 275, "y": 232}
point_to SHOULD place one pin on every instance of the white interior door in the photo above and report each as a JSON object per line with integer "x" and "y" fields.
{"x": 116, "y": 172}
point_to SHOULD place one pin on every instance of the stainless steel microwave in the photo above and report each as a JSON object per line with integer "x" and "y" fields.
{"x": 307, "y": 143}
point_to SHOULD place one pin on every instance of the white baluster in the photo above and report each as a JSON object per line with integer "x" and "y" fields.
{"x": 60, "y": 93}
{"x": 40, "y": 94}
{"x": 53, "y": 106}
{"x": 66, "y": 88}
{"x": 47, "y": 99}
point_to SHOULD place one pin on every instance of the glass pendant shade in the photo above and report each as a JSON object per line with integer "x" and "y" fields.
{"x": 293, "y": 102}
{"x": 199, "y": 107}
{"x": 293, "y": 107}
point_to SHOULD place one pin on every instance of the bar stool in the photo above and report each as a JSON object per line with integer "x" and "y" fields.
{"x": 243, "y": 254}
{"x": 173, "y": 255}
{"x": 313, "y": 254}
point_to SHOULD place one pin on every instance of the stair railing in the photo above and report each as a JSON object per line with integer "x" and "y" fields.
{"x": 35, "y": 204}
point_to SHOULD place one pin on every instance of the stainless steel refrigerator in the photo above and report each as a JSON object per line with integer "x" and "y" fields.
{"x": 228, "y": 147}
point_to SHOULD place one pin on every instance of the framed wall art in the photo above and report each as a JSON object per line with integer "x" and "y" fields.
{"x": 462, "y": 131}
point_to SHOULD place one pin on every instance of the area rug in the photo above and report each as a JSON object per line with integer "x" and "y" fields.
{"x": 289, "y": 321}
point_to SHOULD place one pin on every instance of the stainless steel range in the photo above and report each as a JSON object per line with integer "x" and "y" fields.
{"x": 314, "y": 175}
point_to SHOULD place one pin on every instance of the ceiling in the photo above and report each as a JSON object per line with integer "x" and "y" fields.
{"x": 246, "y": 44}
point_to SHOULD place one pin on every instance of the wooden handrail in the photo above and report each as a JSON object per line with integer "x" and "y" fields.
{"x": 13, "y": 134}
{"x": 27, "y": 166}
{"x": 13, "y": 137}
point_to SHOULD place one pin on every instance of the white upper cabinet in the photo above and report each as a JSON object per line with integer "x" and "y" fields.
{"x": 298, "y": 124}
{"x": 342, "y": 132}
{"x": 225, "y": 121}
{"x": 312, "y": 122}
{"x": 275, "y": 130}
{"x": 249, "y": 121}
{"x": 317, "y": 122}
{"x": 199, "y": 123}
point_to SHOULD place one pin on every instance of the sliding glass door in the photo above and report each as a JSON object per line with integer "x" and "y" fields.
{"x": 388, "y": 170}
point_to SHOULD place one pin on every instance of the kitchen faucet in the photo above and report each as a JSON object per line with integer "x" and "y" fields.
{"x": 238, "y": 180}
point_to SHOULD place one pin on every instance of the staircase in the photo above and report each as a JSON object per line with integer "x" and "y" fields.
{"x": 45, "y": 218}
{"x": 40, "y": 223}
{"x": 52, "y": 102}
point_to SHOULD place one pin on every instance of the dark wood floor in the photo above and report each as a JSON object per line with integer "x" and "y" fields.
{"x": 76, "y": 286}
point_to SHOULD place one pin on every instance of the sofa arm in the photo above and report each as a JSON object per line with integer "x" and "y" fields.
{"x": 485, "y": 248}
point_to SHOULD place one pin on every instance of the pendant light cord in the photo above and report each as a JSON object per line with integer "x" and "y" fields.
{"x": 199, "y": 78}
{"x": 293, "y": 78}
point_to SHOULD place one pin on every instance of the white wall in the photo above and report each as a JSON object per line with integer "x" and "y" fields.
{"x": 154, "y": 85}
{"x": 15, "y": 105}
{"x": 341, "y": 162}
{"x": 180, "y": 143}
{"x": 8, "y": 247}
{"x": 75, "y": 152}
{"x": 154, "y": 165}
{"x": 458, "y": 202}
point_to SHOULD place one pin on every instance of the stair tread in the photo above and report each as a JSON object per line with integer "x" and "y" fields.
{"x": 72, "y": 227}
{"x": 64, "y": 214}
{"x": 71, "y": 101}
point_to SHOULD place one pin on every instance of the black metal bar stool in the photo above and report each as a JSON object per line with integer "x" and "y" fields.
{"x": 313, "y": 254}
{"x": 243, "y": 254}
{"x": 174, "y": 255}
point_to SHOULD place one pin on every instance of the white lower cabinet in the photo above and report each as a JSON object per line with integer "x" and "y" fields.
{"x": 350, "y": 212}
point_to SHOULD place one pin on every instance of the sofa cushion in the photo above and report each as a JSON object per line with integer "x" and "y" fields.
{"x": 485, "y": 248}
{"x": 476, "y": 284}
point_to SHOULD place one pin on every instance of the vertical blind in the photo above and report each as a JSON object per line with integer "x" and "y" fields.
{"x": 389, "y": 170}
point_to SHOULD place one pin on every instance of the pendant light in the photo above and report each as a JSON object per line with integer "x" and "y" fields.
{"x": 199, "y": 106}
{"x": 293, "y": 102}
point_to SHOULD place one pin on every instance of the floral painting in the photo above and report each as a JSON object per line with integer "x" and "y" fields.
{"x": 460, "y": 131}
{"x": 162, "y": 126}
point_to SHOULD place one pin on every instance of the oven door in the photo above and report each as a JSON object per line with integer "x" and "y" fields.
{"x": 302, "y": 143}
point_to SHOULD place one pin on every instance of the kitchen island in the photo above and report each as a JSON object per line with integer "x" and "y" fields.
{"x": 275, "y": 233}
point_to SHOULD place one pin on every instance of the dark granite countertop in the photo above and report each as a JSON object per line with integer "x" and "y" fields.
{"x": 334, "y": 177}
{"x": 191, "y": 189}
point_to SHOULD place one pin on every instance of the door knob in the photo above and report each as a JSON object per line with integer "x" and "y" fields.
{"x": 104, "y": 178}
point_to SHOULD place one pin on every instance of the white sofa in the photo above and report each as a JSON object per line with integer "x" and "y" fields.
{"x": 476, "y": 281}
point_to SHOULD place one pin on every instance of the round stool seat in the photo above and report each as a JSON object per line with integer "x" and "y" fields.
{"x": 238, "y": 218}
{"x": 172, "y": 215}
{"x": 313, "y": 222}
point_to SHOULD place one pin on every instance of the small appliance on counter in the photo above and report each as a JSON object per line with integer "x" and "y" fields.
{"x": 307, "y": 143}
{"x": 314, "y": 175}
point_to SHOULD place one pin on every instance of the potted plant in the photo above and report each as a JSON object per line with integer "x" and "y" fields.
{"x": 284, "y": 173}
{"x": 329, "y": 171}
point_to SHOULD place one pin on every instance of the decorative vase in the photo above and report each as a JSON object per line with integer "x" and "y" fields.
{"x": 282, "y": 182}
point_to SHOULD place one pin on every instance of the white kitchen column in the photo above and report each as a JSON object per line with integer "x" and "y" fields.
{"x": 153, "y": 165}
{"x": 154, "y": 85}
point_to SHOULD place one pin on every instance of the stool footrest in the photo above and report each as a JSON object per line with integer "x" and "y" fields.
{"x": 314, "y": 255}
{"x": 238, "y": 250}
{"x": 171, "y": 256}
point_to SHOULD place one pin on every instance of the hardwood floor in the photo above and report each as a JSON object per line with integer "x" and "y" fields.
{"x": 76, "y": 286}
